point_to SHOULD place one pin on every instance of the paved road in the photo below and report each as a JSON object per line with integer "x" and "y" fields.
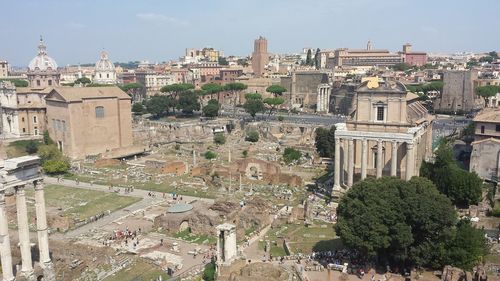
{"x": 147, "y": 201}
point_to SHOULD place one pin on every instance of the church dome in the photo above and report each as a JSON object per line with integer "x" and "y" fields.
{"x": 104, "y": 64}
{"x": 42, "y": 61}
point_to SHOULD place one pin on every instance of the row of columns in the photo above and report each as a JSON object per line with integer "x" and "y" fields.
{"x": 348, "y": 149}
{"x": 323, "y": 99}
{"x": 24, "y": 239}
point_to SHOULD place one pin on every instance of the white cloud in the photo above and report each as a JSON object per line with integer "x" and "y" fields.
{"x": 159, "y": 18}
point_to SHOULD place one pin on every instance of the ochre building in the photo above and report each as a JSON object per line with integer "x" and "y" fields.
{"x": 89, "y": 121}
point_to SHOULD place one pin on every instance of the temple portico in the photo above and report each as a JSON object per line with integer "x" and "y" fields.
{"x": 388, "y": 134}
{"x": 323, "y": 98}
{"x": 16, "y": 175}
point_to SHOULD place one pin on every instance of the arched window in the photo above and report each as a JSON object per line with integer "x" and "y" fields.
{"x": 99, "y": 112}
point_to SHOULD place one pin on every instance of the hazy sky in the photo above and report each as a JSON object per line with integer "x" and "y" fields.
{"x": 75, "y": 31}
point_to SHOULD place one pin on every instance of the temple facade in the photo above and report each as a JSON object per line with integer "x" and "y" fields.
{"x": 388, "y": 133}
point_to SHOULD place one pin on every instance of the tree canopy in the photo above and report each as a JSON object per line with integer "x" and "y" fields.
{"x": 188, "y": 102}
{"x": 16, "y": 82}
{"x": 389, "y": 220}
{"x": 431, "y": 86}
{"x": 487, "y": 91}
{"x": 83, "y": 80}
{"x": 177, "y": 88}
{"x": 130, "y": 86}
{"x": 211, "y": 109}
{"x": 159, "y": 104}
{"x": 291, "y": 154}
{"x": 461, "y": 186}
{"x": 253, "y": 104}
{"x": 276, "y": 90}
{"x": 273, "y": 103}
{"x": 252, "y": 136}
{"x": 212, "y": 88}
{"x": 325, "y": 142}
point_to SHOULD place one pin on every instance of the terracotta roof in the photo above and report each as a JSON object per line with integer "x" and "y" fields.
{"x": 79, "y": 93}
{"x": 489, "y": 114}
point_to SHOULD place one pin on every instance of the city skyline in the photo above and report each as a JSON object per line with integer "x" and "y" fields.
{"x": 158, "y": 31}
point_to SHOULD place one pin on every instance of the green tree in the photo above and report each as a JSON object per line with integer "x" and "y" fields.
{"x": 253, "y": 104}
{"x": 325, "y": 142}
{"x": 252, "y": 136}
{"x": 211, "y": 109}
{"x": 53, "y": 161}
{"x": 487, "y": 91}
{"x": 32, "y": 147}
{"x": 219, "y": 139}
{"x": 234, "y": 89}
{"x": 209, "y": 155}
{"x": 175, "y": 90}
{"x": 83, "y": 80}
{"x": 46, "y": 138}
{"x": 402, "y": 66}
{"x": 309, "y": 60}
{"x": 397, "y": 222}
{"x": 158, "y": 105}
{"x": 462, "y": 187}
{"x": 212, "y": 89}
{"x": 17, "y": 82}
{"x": 467, "y": 247}
{"x": 317, "y": 59}
{"x": 273, "y": 103}
{"x": 138, "y": 108}
{"x": 276, "y": 90}
{"x": 188, "y": 102}
{"x": 291, "y": 154}
{"x": 209, "y": 272}
{"x": 223, "y": 61}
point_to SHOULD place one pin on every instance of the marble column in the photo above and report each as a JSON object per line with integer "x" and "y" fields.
{"x": 336, "y": 173}
{"x": 379, "y": 158}
{"x": 344, "y": 153}
{"x": 24, "y": 233}
{"x": 394, "y": 159}
{"x": 364, "y": 158}
{"x": 350, "y": 165}
{"x": 410, "y": 161}
{"x": 42, "y": 229}
{"x": 5, "y": 253}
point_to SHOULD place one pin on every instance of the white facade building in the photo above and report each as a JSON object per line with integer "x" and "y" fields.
{"x": 105, "y": 72}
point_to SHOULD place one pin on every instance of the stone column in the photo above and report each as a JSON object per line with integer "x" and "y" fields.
{"x": 343, "y": 171}
{"x": 350, "y": 165}
{"x": 42, "y": 231}
{"x": 5, "y": 253}
{"x": 379, "y": 158}
{"x": 410, "y": 161}
{"x": 336, "y": 172}
{"x": 394, "y": 159}
{"x": 364, "y": 158}
{"x": 24, "y": 233}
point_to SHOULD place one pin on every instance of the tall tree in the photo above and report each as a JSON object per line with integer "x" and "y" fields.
{"x": 325, "y": 142}
{"x": 234, "y": 89}
{"x": 309, "y": 57}
{"x": 188, "y": 102}
{"x": 317, "y": 59}
{"x": 253, "y": 104}
{"x": 174, "y": 91}
{"x": 487, "y": 91}
{"x": 273, "y": 103}
{"x": 212, "y": 89}
{"x": 389, "y": 220}
{"x": 211, "y": 109}
{"x": 276, "y": 90}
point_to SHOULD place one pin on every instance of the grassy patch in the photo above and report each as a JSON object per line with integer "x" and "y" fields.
{"x": 496, "y": 209}
{"x": 80, "y": 204}
{"x": 18, "y": 148}
{"x": 140, "y": 271}
{"x": 186, "y": 235}
{"x": 302, "y": 239}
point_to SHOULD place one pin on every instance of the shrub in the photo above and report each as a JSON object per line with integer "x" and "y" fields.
{"x": 281, "y": 118}
{"x": 31, "y": 147}
{"x": 245, "y": 153}
{"x": 209, "y": 155}
{"x": 219, "y": 139}
{"x": 291, "y": 154}
{"x": 252, "y": 136}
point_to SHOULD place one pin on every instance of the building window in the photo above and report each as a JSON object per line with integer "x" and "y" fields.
{"x": 34, "y": 120}
{"x": 497, "y": 128}
{"x": 99, "y": 112}
{"x": 107, "y": 75}
{"x": 35, "y": 132}
{"x": 50, "y": 82}
{"x": 482, "y": 129}
{"x": 38, "y": 82}
{"x": 100, "y": 75}
{"x": 380, "y": 113}
{"x": 22, "y": 119}
{"x": 24, "y": 130}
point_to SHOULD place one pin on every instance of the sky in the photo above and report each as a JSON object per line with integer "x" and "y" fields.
{"x": 76, "y": 31}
